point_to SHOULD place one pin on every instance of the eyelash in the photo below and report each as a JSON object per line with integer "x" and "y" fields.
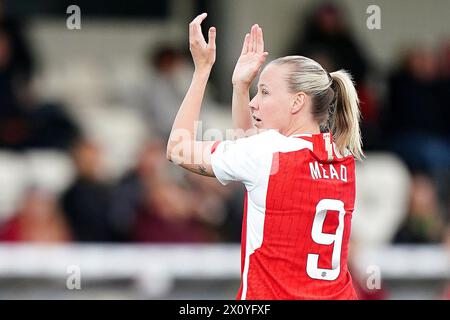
{"x": 264, "y": 92}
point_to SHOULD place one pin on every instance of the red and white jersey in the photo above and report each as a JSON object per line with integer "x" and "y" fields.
{"x": 297, "y": 215}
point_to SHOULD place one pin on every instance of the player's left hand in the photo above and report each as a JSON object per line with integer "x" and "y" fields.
{"x": 251, "y": 59}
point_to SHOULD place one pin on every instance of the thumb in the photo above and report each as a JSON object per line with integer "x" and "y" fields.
{"x": 263, "y": 57}
{"x": 212, "y": 38}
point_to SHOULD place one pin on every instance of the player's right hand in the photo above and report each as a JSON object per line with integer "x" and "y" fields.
{"x": 251, "y": 59}
{"x": 203, "y": 53}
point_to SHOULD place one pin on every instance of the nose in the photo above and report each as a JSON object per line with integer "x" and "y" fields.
{"x": 253, "y": 104}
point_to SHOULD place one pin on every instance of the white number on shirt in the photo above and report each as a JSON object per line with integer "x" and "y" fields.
{"x": 312, "y": 268}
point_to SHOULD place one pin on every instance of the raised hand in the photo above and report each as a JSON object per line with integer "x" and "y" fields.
{"x": 251, "y": 59}
{"x": 203, "y": 54}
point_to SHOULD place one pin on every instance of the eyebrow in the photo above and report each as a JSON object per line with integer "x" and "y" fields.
{"x": 262, "y": 85}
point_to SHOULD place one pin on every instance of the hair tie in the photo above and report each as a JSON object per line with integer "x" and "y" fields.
{"x": 332, "y": 106}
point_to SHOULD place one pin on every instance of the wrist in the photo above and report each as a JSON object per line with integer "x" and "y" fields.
{"x": 241, "y": 87}
{"x": 202, "y": 72}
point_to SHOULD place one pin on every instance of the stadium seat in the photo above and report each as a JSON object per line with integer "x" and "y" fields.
{"x": 382, "y": 194}
{"x": 118, "y": 131}
{"x": 14, "y": 180}
{"x": 50, "y": 171}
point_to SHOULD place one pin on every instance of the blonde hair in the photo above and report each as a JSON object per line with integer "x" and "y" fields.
{"x": 334, "y": 97}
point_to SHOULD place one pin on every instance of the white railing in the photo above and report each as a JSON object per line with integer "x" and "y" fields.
{"x": 155, "y": 268}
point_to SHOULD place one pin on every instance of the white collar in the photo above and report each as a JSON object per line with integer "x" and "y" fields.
{"x": 301, "y": 135}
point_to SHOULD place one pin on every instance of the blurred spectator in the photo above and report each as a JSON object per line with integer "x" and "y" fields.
{"x": 13, "y": 126}
{"x": 221, "y": 206}
{"x": 129, "y": 195}
{"x": 16, "y": 66}
{"x": 38, "y": 219}
{"x": 87, "y": 200}
{"x": 161, "y": 95}
{"x": 152, "y": 205}
{"x": 327, "y": 35}
{"x": 417, "y": 126}
{"x": 24, "y": 122}
{"x": 424, "y": 223}
{"x": 169, "y": 210}
{"x": 415, "y": 98}
{"x": 327, "y": 39}
{"x": 231, "y": 228}
{"x": 168, "y": 215}
{"x": 22, "y": 61}
{"x": 51, "y": 127}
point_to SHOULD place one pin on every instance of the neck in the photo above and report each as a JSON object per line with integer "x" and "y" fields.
{"x": 311, "y": 129}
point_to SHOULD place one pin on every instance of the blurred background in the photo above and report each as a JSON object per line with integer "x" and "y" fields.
{"x": 85, "y": 189}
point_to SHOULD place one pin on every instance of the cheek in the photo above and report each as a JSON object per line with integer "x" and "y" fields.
{"x": 268, "y": 105}
{"x": 269, "y": 113}
{"x": 274, "y": 109}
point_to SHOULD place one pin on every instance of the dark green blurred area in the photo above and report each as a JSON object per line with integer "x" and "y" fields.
{"x": 102, "y": 8}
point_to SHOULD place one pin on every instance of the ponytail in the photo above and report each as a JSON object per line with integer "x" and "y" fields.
{"x": 346, "y": 118}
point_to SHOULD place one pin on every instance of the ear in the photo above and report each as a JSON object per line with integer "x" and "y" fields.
{"x": 299, "y": 102}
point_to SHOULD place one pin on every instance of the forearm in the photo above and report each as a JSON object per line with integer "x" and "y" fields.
{"x": 240, "y": 110}
{"x": 182, "y": 147}
{"x": 189, "y": 112}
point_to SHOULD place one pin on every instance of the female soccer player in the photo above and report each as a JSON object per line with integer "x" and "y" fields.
{"x": 300, "y": 183}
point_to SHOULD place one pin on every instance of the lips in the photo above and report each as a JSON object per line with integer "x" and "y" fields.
{"x": 256, "y": 118}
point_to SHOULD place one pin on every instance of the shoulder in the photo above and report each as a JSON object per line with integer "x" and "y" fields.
{"x": 262, "y": 137}
{"x": 254, "y": 143}
{"x": 273, "y": 141}
{"x": 265, "y": 143}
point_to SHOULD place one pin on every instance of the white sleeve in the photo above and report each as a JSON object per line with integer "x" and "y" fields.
{"x": 237, "y": 160}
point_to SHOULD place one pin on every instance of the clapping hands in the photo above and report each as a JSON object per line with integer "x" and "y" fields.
{"x": 251, "y": 59}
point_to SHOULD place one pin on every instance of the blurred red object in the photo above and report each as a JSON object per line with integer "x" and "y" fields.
{"x": 38, "y": 220}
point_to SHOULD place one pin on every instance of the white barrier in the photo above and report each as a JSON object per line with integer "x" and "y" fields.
{"x": 154, "y": 269}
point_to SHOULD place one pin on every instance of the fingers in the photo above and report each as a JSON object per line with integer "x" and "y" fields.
{"x": 195, "y": 29}
{"x": 212, "y": 38}
{"x": 198, "y": 19}
{"x": 246, "y": 44}
{"x": 251, "y": 45}
{"x": 255, "y": 36}
{"x": 263, "y": 57}
{"x": 255, "y": 41}
{"x": 259, "y": 40}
